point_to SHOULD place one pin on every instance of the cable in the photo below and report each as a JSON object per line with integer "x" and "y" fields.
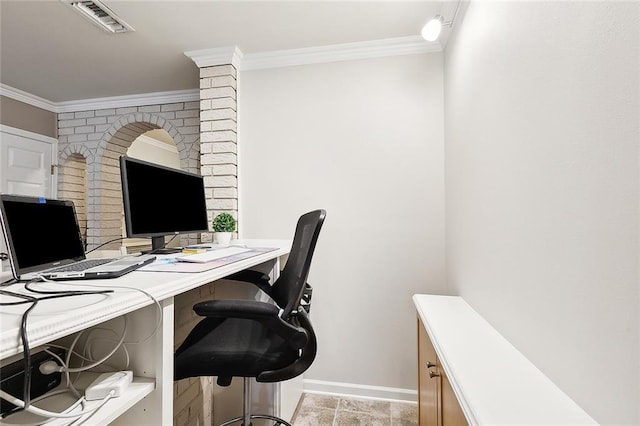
{"x": 150, "y": 296}
{"x": 8, "y": 282}
{"x": 23, "y": 331}
{"x": 104, "y": 244}
{"x": 25, "y": 403}
{"x": 44, "y": 413}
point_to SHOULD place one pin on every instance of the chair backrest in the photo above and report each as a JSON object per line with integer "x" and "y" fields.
{"x": 287, "y": 290}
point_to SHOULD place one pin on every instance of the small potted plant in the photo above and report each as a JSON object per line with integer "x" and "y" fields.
{"x": 223, "y": 225}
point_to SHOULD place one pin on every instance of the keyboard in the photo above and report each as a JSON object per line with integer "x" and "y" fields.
{"x": 82, "y": 265}
{"x": 214, "y": 254}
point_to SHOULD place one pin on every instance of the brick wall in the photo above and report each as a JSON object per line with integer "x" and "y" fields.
{"x": 205, "y": 135}
{"x": 73, "y": 186}
{"x": 101, "y": 136}
{"x": 192, "y": 397}
{"x": 218, "y": 139}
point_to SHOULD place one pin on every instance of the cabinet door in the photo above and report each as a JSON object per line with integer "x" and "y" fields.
{"x": 428, "y": 387}
{"x": 452, "y": 414}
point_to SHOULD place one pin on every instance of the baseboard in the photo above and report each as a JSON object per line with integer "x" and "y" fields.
{"x": 352, "y": 390}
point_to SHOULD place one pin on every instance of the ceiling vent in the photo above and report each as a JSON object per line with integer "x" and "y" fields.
{"x": 100, "y": 15}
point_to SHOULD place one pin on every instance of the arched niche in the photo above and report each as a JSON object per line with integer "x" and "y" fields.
{"x": 104, "y": 197}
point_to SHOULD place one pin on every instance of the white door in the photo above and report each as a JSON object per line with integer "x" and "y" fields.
{"x": 26, "y": 161}
{"x": 26, "y": 166}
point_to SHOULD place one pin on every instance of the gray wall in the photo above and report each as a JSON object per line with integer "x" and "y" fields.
{"x": 542, "y": 193}
{"x": 27, "y": 117}
{"x": 363, "y": 140}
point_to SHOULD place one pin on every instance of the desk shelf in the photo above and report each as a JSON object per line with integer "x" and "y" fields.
{"x": 115, "y": 407}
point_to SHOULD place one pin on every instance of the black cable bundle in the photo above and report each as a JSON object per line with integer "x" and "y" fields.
{"x": 23, "y": 324}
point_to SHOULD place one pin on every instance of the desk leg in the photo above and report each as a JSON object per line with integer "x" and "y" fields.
{"x": 153, "y": 359}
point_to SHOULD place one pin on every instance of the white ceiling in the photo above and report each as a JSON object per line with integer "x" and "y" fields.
{"x": 50, "y": 51}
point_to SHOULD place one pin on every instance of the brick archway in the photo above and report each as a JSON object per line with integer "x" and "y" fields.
{"x": 104, "y": 200}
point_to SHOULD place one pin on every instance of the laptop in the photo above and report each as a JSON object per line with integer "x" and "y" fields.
{"x": 44, "y": 240}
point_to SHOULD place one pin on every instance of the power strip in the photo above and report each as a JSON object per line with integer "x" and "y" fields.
{"x": 12, "y": 377}
{"x": 106, "y": 383}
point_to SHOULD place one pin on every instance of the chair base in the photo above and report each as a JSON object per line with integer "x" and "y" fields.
{"x": 278, "y": 420}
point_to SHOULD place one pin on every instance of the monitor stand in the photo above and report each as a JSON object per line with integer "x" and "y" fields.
{"x": 158, "y": 247}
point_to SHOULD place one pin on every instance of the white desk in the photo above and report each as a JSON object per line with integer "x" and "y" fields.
{"x": 57, "y": 318}
{"x": 492, "y": 381}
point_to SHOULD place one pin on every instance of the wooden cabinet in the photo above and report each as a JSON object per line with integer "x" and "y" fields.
{"x": 437, "y": 404}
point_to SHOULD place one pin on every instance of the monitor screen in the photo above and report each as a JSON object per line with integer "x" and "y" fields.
{"x": 161, "y": 201}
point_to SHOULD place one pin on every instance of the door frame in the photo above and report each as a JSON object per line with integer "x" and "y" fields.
{"x": 53, "y": 142}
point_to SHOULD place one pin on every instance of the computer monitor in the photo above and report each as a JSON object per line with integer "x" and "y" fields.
{"x": 161, "y": 201}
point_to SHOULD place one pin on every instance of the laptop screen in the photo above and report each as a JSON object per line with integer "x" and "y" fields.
{"x": 40, "y": 232}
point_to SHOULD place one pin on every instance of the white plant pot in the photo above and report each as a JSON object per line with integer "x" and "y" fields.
{"x": 222, "y": 238}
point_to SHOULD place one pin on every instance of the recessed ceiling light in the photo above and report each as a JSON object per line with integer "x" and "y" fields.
{"x": 100, "y": 15}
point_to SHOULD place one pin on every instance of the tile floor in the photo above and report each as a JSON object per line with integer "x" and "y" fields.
{"x": 321, "y": 410}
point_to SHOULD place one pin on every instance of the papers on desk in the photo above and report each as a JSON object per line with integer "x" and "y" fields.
{"x": 213, "y": 254}
{"x": 171, "y": 263}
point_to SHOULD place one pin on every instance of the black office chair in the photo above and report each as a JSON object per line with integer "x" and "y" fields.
{"x": 270, "y": 342}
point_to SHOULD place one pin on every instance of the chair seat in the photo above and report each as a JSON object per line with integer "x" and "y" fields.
{"x": 232, "y": 347}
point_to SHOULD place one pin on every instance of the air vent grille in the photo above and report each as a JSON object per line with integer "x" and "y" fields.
{"x": 100, "y": 14}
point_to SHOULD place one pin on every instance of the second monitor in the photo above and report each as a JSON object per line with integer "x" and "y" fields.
{"x": 160, "y": 201}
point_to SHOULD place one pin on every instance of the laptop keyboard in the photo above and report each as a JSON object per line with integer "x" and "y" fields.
{"x": 82, "y": 265}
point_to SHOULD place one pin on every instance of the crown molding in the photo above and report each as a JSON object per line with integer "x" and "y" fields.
{"x": 27, "y": 98}
{"x": 339, "y": 52}
{"x": 312, "y": 55}
{"x": 218, "y": 56}
{"x": 232, "y": 55}
{"x": 129, "y": 100}
{"x": 101, "y": 103}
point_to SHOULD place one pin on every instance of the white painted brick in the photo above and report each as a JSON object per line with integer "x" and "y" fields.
{"x": 228, "y": 102}
{"x": 205, "y": 104}
{"x": 222, "y": 204}
{"x": 223, "y": 169}
{"x": 127, "y": 110}
{"x": 65, "y": 131}
{"x": 220, "y": 181}
{"x": 192, "y": 122}
{"x": 218, "y": 114}
{"x": 205, "y": 83}
{"x": 84, "y": 114}
{"x": 105, "y": 112}
{"x": 192, "y": 105}
{"x": 72, "y": 123}
{"x": 149, "y": 108}
{"x": 172, "y": 107}
{"x": 220, "y": 147}
{"x": 225, "y": 193}
{"x": 222, "y": 158}
{"x": 190, "y": 130}
{"x": 219, "y": 92}
{"x": 102, "y": 127}
{"x": 217, "y": 70}
{"x": 112, "y": 119}
{"x": 77, "y": 138}
{"x": 217, "y": 125}
{"x": 85, "y": 129}
{"x": 190, "y": 113}
{"x": 97, "y": 120}
{"x": 169, "y": 115}
{"x": 223, "y": 81}
{"x": 220, "y": 136}
{"x": 190, "y": 139}
{"x": 66, "y": 116}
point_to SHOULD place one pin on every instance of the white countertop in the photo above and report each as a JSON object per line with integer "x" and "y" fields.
{"x": 52, "y": 319}
{"x": 494, "y": 383}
